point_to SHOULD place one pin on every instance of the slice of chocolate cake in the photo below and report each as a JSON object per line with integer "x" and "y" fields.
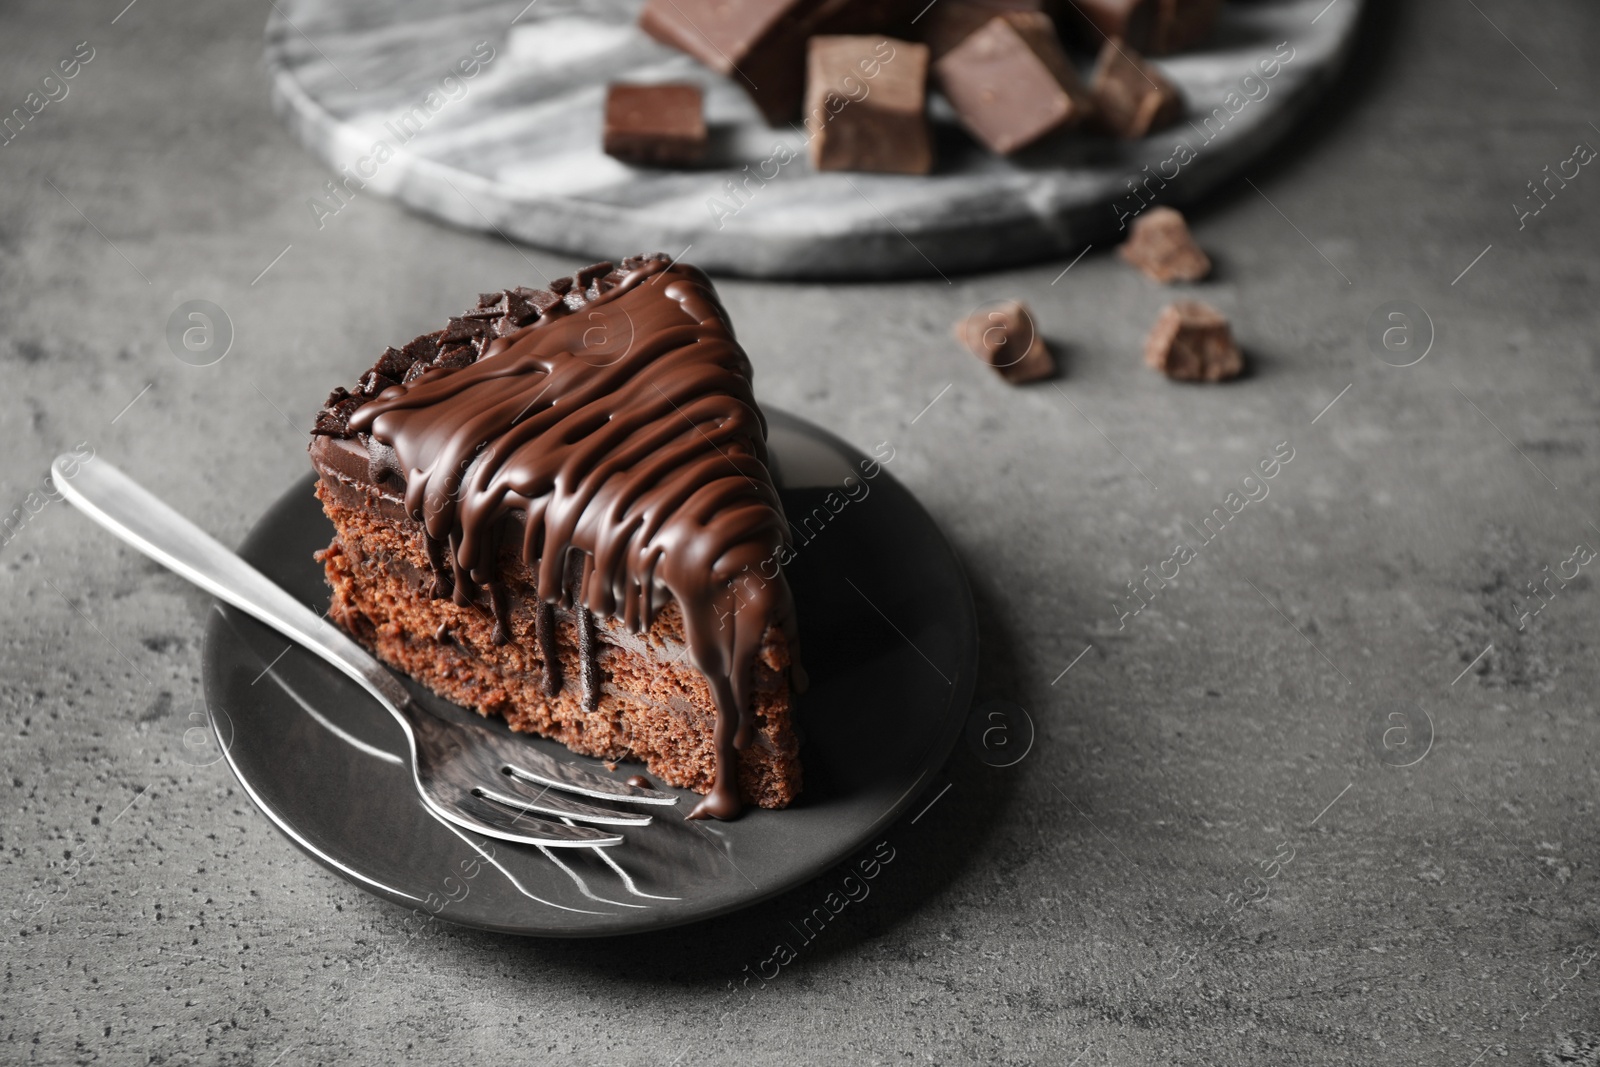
{"x": 560, "y": 509}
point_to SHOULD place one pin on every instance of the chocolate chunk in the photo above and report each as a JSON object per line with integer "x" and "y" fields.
{"x": 518, "y": 313}
{"x": 1182, "y": 24}
{"x": 759, "y": 44}
{"x": 418, "y": 369}
{"x": 559, "y": 287}
{"x": 1160, "y": 245}
{"x": 393, "y": 364}
{"x": 372, "y": 383}
{"x": 949, "y": 22}
{"x": 655, "y": 125}
{"x": 1132, "y": 97}
{"x": 456, "y": 356}
{"x": 639, "y": 781}
{"x": 1193, "y": 342}
{"x": 1011, "y": 83}
{"x": 423, "y": 349}
{"x": 464, "y": 329}
{"x": 866, "y": 105}
{"x": 334, "y": 420}
{"x": 1005, "y": 336}
{"x": 542, "y": 300}
{"x": 1154, "y": 27}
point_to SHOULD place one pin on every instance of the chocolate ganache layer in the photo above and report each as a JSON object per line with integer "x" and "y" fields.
{"x": 605, "y": 428}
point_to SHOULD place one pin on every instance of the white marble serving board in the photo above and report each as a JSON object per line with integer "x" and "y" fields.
{"x": 515, "y": 146}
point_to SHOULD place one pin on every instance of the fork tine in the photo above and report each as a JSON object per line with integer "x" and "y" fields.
{"x": 537, "y": 767}
{"x": 490, "y": 819}
{"x": 468, "y": 752}
{"x": 520, "y": 795}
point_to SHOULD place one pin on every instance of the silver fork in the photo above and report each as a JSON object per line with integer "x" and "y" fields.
{"x": 482, "y": 781}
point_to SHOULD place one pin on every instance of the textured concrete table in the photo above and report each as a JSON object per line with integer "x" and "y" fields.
{"x": 1211, "y": 854}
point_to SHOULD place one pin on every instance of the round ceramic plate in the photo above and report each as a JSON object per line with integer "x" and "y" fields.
{"x": 890, "y": 644}
{"x": 379, "y": 90}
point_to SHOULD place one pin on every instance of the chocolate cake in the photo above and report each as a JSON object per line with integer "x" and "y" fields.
{"x": 560, "y": 509}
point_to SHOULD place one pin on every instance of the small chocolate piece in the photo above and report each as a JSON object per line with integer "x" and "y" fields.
{"x": 949, "y": 22}
{"x": 423, "y": 349}
{"x": 334, "y": 419}
{"x": 760, "y": 44}
{"x": 655, "y": 125}
{"x": 866, "y": 105}
{"x": 1154, "y": 27}
{"x": 1005, "y": 336}
{"x": 1182, "y": 24}
{"x": 1160, "y": 245}
{"x": 639, "y": 781}
{"x": 1132, "y": 98}
{"x": 1011, "y": 83}
{"x": 1192, "y": 342}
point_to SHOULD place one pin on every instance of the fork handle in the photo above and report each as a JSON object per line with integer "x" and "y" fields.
{"x": 138, "y": 517}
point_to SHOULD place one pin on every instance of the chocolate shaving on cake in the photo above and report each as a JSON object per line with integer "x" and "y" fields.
{"x": 464, "y": 329}
{"x": 423, "y": 348}
{"x": 586, "y": 277}
{"x": 373, "y": 383}
{"x": 456, "y": 356}
{"x": 463, "y": 340}
{"x": 334, "y": 420}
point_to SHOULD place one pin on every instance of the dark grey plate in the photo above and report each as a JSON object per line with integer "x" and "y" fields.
{"x": 889, "y": 639}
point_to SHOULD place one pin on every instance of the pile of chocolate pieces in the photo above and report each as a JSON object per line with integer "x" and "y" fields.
{"x": 854, "y": 74}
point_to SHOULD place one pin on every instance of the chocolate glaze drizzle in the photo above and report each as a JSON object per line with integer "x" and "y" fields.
{"x": 621, "y": 425}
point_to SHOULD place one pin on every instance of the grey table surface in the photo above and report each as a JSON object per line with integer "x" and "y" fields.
{"x": 1122, "y": 895}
